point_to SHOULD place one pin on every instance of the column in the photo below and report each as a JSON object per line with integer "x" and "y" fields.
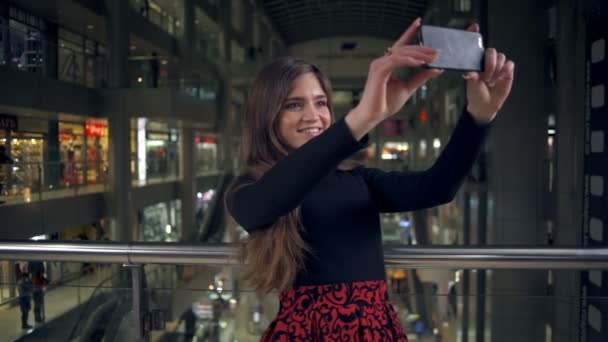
{"x": 224, "y": 23}
{"x": 189, "y": 31}
{"x": 226, "y": 112}
{"x": 119, "y": 123}
{"x": 569, "y": 170}
{"x": 517, "y": 144}
{"x": 51, "y": 57}
{"x": 188, "y": 184}
{"x": 52, "y": 171}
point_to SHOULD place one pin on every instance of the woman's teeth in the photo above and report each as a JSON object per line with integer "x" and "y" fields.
{"x": 312, "y": 130}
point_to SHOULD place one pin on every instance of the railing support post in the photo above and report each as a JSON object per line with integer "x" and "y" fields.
{"x": 137, "y": 289}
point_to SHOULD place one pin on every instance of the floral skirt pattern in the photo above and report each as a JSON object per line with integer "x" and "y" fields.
{"x": 358, "y": 311}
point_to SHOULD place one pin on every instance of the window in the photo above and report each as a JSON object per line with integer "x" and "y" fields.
{"x": 462, "y": 6}
{"x": 26, "y": 47}
{"x": 71, "y": 66}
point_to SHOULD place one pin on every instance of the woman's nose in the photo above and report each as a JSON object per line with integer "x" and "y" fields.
{"x": 311, "y": 114}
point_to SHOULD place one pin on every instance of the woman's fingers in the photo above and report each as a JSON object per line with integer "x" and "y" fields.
{"x": 418, "y": 48}
{"x": 490, "y": 64}
{"x": 471, "y": 75}
{"x": 416, "y": 53}
{"x": 473, "y": 27}
{"x": 503, "y": 86}
{"x": 409, "y": 34}
{"x": 500, "y": 62}
{"x": 507, "y": 71}
{"x": 397, "y": 61}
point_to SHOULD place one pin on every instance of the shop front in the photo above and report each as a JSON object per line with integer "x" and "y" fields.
{"x": 154, "y": 150}
{"x": 48, "y": 154}
{"x": 83, "y": 152}
{"x": 206, "y": 153}
{"x": 161, "y": 222}
{"x": 24, "y": 141}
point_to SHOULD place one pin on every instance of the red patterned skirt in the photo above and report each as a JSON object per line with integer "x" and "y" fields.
{"x": 358, "y": 311}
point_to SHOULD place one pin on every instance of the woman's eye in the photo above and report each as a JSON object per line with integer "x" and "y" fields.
{"x": 322, "y": 103}
{"x": 293, "y": 105}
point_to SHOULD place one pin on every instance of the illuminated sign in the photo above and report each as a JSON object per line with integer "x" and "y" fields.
{"x": 157, "y": 136}
{"x": 95, "y": 128}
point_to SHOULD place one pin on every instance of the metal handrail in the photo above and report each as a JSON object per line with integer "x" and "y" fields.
{"x": 495, "y": 257}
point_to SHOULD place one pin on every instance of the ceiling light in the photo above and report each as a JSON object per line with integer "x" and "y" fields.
{"x": 90, "y": 27}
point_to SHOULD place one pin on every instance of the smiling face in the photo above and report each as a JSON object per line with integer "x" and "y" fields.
{"x": 305, "y": 112}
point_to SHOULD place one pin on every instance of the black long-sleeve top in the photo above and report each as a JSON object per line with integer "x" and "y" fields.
{"x": 340, "y": 209}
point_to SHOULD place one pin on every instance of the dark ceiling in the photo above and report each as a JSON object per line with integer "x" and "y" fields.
{"x": 302, "y": 20}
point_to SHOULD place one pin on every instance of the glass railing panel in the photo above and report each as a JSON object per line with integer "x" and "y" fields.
{"x": 43, "y": 301}
{"x": 201, "y": 309}
{"x": 158, "y": 171}
{"x": 213, "y": 303}
{"x": 24, "y": 182}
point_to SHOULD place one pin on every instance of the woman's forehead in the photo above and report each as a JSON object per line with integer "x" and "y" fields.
{"x": 306, "y": 85}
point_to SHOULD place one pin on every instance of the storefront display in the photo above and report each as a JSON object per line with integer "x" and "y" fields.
{"x": 96, "y": 133}
{"x": 83, "y": 152}
{"x": 27, "y": 152}
{"x": 157, "y": 150}
{"x": 206, "y": 150}
{"x": 161, "y": 222}
{"x": 72, "y": 147}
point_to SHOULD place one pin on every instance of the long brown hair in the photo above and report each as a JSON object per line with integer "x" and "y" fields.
{"x": 273, "y": 256}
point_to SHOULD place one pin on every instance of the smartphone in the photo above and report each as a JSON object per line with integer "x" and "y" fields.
{"x": 458, "y": 49}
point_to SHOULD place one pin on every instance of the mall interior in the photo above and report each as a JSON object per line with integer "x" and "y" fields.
{"x": 120, "y": 121}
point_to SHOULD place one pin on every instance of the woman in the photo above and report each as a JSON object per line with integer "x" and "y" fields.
{"x": 313, "y": 221}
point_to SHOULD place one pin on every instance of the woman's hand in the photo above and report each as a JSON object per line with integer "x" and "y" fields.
{"x": 487, "y": 91}
{"x": 384, "y": 95}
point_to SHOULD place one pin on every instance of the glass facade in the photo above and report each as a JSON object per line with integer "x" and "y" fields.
{"x": 163, "y": 14}
{"x": 27, "y": 47}
{"x": 81, "y": 60}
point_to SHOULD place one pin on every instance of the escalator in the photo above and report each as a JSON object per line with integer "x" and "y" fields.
{"x": 95, "y": 319}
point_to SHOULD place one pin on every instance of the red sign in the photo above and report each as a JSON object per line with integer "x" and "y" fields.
{"x": 94, "y": 129}
{"x": 209, "y": 140}
{"x": 423, "y": 115}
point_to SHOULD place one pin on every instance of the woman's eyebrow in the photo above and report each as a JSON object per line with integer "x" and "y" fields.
{"x": 301, "y": 98}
